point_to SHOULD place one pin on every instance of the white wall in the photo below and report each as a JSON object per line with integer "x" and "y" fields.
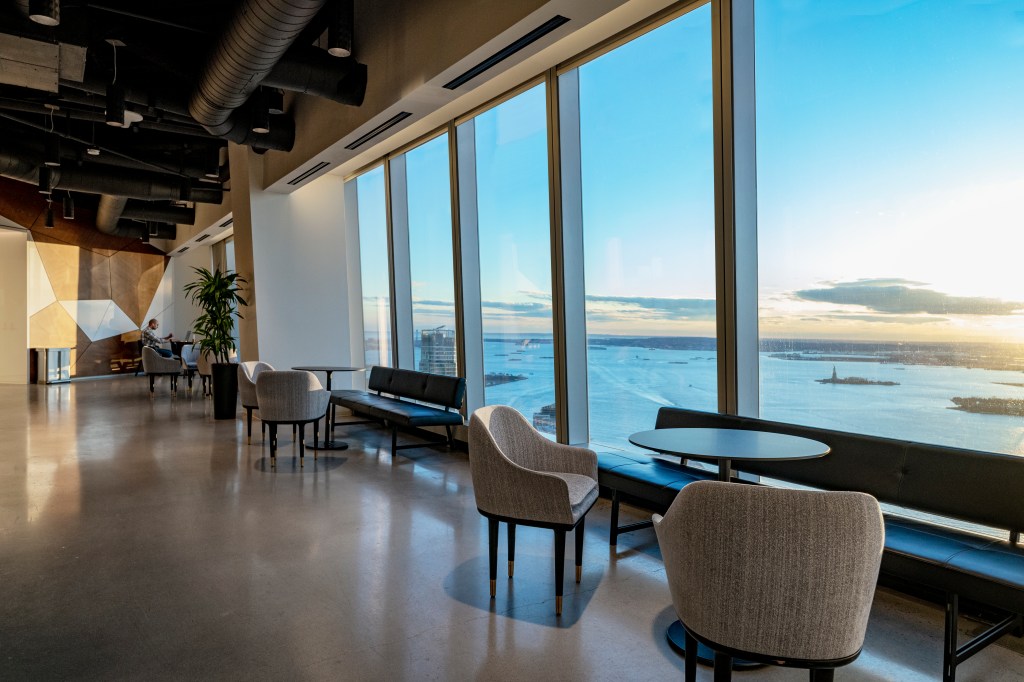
{"x": 184, "y": 313}
{"x": 13, "y": 306}
{"x": 299, "y": 264}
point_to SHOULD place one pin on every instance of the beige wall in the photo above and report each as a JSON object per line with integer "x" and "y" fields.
{"x": 13, "y": 306}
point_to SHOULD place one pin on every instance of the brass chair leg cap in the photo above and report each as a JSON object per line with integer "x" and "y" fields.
{"x": 494, "y": 587}
{"x": 558, "y": 606}
{"x": 579, "y": 573}
{"x": 511, "y": 569}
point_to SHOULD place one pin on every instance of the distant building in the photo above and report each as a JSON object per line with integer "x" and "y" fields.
{"x": 437, "y": 351}
{"x": 544, "y": 419}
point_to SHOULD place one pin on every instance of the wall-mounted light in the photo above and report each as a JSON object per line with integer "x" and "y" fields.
{"x": 44, "y": 180}
{"x": 45, "y": 12}
{"x": 339, "y": 31}
{"x": 52, "y": 157}
{"x": 69, "y": 207}
{"x": 49, "y": 214}
{"x": 260, "y": 112}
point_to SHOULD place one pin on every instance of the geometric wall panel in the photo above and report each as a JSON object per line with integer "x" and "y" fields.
{"x": 163, "y": 299}
{"x": 99, "y": 319}
{"x": 74, "y": 273}
{"x": 52, "y": 327}
{"x": 40, "y": 292}
{"x": 107, "y": 356}
{"x": 134, "y": 280}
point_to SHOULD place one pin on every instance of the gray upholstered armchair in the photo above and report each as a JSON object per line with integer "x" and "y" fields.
{"x": 205, "y": 372}
{"x": 156, "y": 365}
{"x": 247, "y": 373}
{"x": 521, "y": 477}
{"x": 784, "y": 577}
{"x": 290, "y": 397}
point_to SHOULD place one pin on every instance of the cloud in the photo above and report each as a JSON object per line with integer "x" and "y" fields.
{"x": 904, "y": 297}
{"x": 649, "y": 308}
{"x": 525, "y": 309}
{"x": 888, "y": 319}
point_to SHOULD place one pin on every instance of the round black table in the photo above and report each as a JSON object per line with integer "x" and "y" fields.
{"x": 725, "y": 446}
{"x": 328, "y": 443}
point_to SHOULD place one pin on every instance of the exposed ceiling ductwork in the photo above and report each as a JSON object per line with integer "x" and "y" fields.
{"x": 259, "y": 34}
{"x": 161, "y": 135}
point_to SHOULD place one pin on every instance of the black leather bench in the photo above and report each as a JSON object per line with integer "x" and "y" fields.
{"x": 961, "y": 485}
{"x": 389, "y": 400}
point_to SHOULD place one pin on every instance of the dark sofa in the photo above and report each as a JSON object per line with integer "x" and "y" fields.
{"x": 390, "y": 400}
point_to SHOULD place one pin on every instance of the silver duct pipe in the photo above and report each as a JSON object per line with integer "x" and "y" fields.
{"x": 255, "y": 40}
{"x": 313, "y": 72}
{"x": 131, "y": 184}
{"x": 17, "y": 165}
{"x": 158, "y": 212}
{"x": 111, "y": 209}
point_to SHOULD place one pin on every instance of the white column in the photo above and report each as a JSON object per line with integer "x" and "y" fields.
{"x": 469, "y": 254}
{"x": 400, "y": 263}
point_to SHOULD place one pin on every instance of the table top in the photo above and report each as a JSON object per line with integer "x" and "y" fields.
{"x": 328, "y": 368}
{"x": 738, "y": 444}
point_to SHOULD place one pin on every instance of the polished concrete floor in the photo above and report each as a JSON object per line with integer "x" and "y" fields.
{"x": 141, "y": 539}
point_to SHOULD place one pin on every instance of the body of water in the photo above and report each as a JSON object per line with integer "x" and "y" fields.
{"x": 627, "y": 385}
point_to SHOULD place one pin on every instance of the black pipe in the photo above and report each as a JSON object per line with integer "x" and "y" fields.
{"x": 313, "y": 72}
{"x": 159, "y": 212}
{"x": 258, "y": 35}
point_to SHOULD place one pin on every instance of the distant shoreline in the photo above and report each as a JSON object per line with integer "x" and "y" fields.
{"x": 1010, "y": 407}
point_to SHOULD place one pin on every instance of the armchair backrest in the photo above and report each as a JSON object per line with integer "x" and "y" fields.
{"x": 290, "y": 396}
{"x": 783, "y": 573}
{"x": 501, "y": 431}
{"x": 247, "y": 374}
{"x": 189, "y": 354}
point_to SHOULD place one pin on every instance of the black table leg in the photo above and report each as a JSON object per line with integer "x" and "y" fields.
{"x": 328, "y": 443}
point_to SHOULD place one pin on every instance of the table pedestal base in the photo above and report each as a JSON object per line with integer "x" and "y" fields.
{"x": 676, "y": 636}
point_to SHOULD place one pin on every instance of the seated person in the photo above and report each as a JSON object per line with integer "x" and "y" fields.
{"x": 149, "y": 338}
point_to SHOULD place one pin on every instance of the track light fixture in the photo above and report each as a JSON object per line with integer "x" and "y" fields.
{"x": 49, "y": 214}
{"x": 92, "y": 149}
{"x": 45, "y": 12}
{"x": 339, "y": 31}
{"x": 69, "y": 207}
{"x": 260, "y": 112}
{"x": 115, "y": 105}
{"x": 275, "y": 101}
{"x": 115, "y": 96}
{"x": 44, "y": 180}
{"x": 52, "y": 157}
{"x": 213, "y": 163}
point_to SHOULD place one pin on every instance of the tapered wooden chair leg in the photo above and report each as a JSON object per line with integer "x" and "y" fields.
{"x": 579, "y": 550}
{"x": 302, "y": 443}
{"x": 691, "y": 658}
{"x": 559, "y": 569}
{"x": 511, "y": 550}
{"x": 723, "y": 667}
{"x": 316, "y": 437}
{"x": 492, "y": 552}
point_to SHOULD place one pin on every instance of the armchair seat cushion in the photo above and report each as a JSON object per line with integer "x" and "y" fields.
{"x": 582, "y": 492}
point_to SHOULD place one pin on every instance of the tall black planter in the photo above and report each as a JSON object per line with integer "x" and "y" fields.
{"x": 225, "y": 390}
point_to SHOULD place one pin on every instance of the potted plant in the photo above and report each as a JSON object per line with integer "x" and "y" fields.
{"x": 216, "y": 294}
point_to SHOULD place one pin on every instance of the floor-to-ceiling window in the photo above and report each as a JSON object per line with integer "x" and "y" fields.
{"x": 647, "y": 193}
{"x": 374, "y": 265}
{"x": 890, "y": 196}
{"x": 428, "y": 192}
{"x": 511, "y": 188}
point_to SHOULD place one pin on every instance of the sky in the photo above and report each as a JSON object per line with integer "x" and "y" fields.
{"x": 890, "y": 161}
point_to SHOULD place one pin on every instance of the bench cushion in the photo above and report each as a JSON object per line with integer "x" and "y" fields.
{"x": 429, "y": 388}
{"x": 655, "y": 481}
{"x": 397, "y": 411}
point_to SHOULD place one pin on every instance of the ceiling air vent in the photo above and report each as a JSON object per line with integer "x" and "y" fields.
{"x": 507, "y": 51}
{"x": 203, "y": 238}
{"x": 183, "y": 249}
{"x": 226, "y": 222}
{"x": 394, "y": 120}
{"x": 316, "y": 168}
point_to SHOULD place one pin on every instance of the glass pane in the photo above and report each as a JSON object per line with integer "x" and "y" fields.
{"x": 890, "y": 191}
{"x": 649, "y": 227}
{"x": 515, "y": 256}
{"x": 375, "y": 268}
{"x": 430, "y": 257}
